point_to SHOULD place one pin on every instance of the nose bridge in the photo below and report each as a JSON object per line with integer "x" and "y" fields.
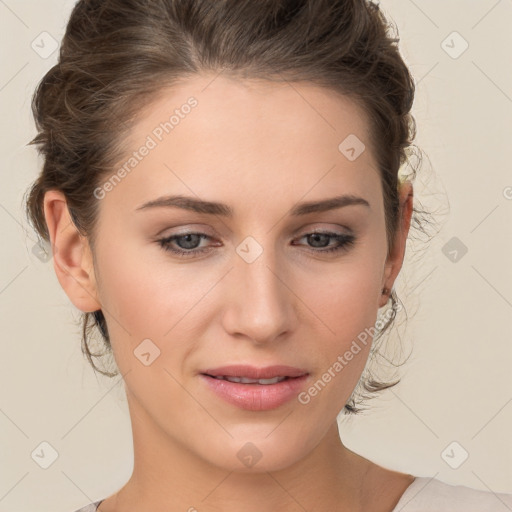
{"x": 261, "y": 306}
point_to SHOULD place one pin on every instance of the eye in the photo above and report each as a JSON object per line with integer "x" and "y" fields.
{"x": 322, "y": 239}
{"x": 188, "y": 243}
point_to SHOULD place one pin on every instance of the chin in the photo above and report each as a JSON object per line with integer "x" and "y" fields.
{"x": 251, "y": 455}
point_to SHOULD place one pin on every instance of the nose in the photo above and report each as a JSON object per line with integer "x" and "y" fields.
{"x": 261, "y": 306}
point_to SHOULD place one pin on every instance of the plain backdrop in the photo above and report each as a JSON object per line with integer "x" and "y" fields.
{"x": 451, "y": 415}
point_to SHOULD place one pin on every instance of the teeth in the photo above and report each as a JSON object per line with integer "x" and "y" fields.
{"x": 275, "y": 380}
{"x": 245, "y": 380}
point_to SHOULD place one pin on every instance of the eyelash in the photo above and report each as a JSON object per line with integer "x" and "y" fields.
{"x": 346, "y": 241}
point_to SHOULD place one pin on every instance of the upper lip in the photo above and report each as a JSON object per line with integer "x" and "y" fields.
{"x": 252, "y": 372}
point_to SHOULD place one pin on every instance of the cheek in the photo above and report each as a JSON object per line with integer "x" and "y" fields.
{"x": 134, "y": 297}
{"x": 146, "y": 297}
{"x": 345, "y": 302}
{"x": 347, "y": 297}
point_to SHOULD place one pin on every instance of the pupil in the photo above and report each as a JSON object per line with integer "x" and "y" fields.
{"x": 188, "y": 244}
{"x": 315, "y": 238}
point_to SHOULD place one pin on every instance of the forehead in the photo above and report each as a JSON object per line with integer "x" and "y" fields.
{"x": 215, "y": 133}
{"x": 226, "y": 105}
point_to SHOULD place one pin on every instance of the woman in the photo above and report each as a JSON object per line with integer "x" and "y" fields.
{"x": 221, "y": 191}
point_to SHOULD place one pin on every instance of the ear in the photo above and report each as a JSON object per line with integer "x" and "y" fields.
{"x": 396, "y": 256}
{"x": 72, "y": 257}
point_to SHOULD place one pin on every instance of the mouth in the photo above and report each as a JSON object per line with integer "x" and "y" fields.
{"x": 255, "y": 389}
{"x": 247, "y": 380}
{"x": 253, "y": 374}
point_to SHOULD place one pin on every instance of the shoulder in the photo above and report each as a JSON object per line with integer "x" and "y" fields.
{"x": 427, "y": 494}
{"x": 92, "y": 507}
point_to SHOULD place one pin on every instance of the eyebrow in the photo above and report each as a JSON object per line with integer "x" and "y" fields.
{"x": 213, "y": 208}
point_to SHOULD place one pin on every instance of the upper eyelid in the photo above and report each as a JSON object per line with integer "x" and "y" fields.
{"x": 301, "y": 233}
{"x": 345, "y": 230}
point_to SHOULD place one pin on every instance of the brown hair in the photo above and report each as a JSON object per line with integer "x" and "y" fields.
{"x": 116, "y": 55}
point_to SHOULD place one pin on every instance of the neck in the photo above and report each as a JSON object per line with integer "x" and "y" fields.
{"x": 168, "y": 477}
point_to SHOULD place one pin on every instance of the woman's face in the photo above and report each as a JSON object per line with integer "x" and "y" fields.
{"x": 257, "y": 287}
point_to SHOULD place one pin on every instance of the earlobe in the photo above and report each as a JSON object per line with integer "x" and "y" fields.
{"x": 72, "y": 259}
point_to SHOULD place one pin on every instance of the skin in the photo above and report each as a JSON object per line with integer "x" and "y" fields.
{"x": 259, "y": 147}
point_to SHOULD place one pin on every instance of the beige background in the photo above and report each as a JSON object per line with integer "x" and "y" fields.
{"x": 456, "y": 386}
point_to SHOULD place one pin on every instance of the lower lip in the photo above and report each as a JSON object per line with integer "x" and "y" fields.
{"x": 256, "y": 397}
